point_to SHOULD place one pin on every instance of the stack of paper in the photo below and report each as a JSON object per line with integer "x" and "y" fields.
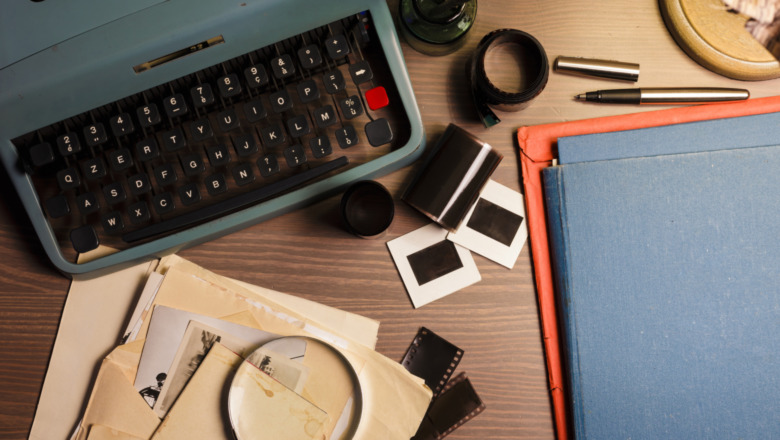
{"x": 185, "y": 344}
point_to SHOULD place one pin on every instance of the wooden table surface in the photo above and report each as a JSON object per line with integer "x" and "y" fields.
{"x": 308, "y": 253}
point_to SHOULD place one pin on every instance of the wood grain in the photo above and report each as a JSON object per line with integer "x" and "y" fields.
{"x": 308, "y": 253}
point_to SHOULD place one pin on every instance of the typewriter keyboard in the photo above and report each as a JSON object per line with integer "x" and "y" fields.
{"x": 215, "y": 141}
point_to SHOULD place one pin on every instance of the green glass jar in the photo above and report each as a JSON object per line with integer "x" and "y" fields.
{"x": 436, "y": 27}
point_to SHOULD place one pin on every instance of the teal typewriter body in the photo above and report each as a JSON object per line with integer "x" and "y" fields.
{"x": 151, "y": 126}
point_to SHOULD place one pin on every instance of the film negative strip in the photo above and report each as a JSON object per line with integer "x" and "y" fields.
{"x": 432, "y": 358}
{"x": 457, "y": 404}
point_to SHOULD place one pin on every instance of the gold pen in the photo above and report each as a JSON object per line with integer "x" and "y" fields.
{"x": 687, "y": 95}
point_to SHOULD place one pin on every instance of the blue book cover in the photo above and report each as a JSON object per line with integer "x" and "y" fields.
{"x": 668, "y": 278}
{"x": 709, "y": 135}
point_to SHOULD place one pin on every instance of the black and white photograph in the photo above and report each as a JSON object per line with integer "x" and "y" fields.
{"x": 167, "y": 327}
{"x": 195, "y": 345}
{"x": 495, "y": 226}
{"x": 430, "y": 266}
{"x": 290, "y": 372}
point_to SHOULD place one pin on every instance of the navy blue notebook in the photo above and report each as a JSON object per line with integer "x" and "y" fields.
{"x": 668, "y": 275}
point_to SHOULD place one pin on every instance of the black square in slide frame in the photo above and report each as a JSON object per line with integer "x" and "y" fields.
{"x": 434, "y": 262}
{"x": 495, "y": 222}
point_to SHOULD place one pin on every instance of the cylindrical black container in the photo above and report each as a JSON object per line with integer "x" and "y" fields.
{"x": 367, "y": 209}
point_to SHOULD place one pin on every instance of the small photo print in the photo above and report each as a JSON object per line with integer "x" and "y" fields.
{"x": 289, "y": 372}
{"x": 167, "y": 329}
{"x": 495, "y": 227}
{"x": 430, "y": 266}
{"x": 194, "y": 346}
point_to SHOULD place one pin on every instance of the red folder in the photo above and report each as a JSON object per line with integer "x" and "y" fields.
{"x": 538, "y": 147}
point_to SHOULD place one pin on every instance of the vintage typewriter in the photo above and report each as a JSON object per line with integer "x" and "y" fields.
{"x": 150, "y": 126}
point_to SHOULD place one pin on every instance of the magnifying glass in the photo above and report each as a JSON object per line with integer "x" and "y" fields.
{"x": 295, "y": 387}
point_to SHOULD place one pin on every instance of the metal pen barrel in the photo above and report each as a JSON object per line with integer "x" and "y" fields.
{"x": 598, "y": 68}
{"x": 691, "y": 95}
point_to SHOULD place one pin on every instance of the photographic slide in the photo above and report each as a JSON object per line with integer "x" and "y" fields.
{"x": 431, "y": 266}
{"x": 495, "y": 226}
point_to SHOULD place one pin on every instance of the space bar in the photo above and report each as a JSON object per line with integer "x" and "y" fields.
{"x": 239, "y": 201}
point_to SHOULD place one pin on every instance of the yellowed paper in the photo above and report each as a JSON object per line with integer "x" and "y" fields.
{"x": 116, "y": 404}
{"x": 394, "y": 401}
{"x": 99, "y": 432}
{"x": 92, "y": 321}
{"x": 126, "y": 358}
{"x": 106, "y": 404}
{"x": 361, "y": 329}
{"x": 338, "y": 322}
{"x": 206, "y": 295}
{"x": 198, "y": 412}
{"x": 330, "y": 385}
{"x": 94, "y": 317}
{"x": 264, "y": 408}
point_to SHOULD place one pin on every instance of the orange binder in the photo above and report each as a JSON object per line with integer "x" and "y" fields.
{"x": 537, "y": 149}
